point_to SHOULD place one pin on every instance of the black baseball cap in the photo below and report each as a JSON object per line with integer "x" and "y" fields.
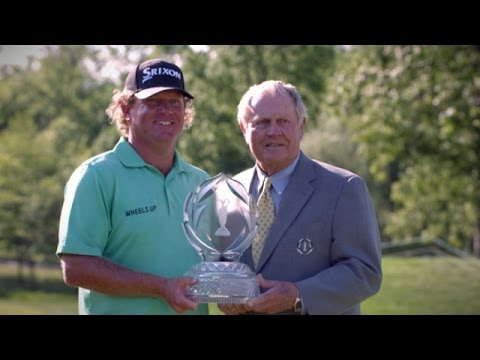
{"x": 153, "y": 76}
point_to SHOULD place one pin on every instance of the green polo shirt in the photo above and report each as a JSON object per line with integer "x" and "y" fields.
{"x": 125, "y": 210}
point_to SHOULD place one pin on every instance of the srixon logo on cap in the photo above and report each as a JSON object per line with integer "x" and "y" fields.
{"x": 149, "y": 73}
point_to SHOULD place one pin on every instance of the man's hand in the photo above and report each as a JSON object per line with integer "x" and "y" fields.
{"x": 279, "y": 297}
{"x": 175, "y": 291}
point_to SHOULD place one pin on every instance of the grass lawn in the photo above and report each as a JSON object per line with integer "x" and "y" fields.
{"x": 427, "y": 285}
{"x": 51, "y": 296}
{"x": 424, "y": 285}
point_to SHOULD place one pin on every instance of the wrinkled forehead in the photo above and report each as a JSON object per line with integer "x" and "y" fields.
{"x": 269, "y": 92}
{"x": 272, "y": 103}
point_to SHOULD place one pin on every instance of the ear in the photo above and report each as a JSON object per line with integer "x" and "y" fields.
{"x": 242, "y": 127}
{"x": 126, "y": 110}
{"x": 247, "y": 135}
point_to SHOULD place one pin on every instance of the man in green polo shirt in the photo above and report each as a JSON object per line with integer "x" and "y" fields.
{"x": 121, "y": 240}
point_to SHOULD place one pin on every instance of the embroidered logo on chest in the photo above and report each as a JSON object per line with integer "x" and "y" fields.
{"x": 304, "y": 246}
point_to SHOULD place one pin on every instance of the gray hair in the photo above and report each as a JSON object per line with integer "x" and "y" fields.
{"x": 274, "y": 86}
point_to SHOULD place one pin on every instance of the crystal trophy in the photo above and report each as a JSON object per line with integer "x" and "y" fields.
{"x": 219, "y": 220}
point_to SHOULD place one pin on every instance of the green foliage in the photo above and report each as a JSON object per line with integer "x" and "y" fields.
{"x": 447, "y": 210}
{"x": 219, "y": 77}
{"x": 51, "y": 115}
{"x": 408, "y": 107}
{"x": 31, "y": 194}
{"x": 331, "y": 143}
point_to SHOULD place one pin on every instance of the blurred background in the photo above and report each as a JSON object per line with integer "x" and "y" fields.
{"x": 406, "y": 118}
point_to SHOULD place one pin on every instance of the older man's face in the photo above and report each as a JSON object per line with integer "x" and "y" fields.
{"x": 273, "y": 131}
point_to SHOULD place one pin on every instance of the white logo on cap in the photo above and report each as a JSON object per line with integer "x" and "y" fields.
{"x": 149, "y": 73}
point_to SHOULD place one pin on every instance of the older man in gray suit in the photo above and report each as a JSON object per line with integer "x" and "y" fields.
{"x": 321, "y": 253}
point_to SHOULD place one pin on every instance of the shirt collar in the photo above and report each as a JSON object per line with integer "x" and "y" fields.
{"x": 279, "y": 179}
{"x": 130, "y": 158}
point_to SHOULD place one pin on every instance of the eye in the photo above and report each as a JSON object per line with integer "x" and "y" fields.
{"x": 260, "y": 123}
{"x": 152, "y": 102}
{"x": 175, "y": 103}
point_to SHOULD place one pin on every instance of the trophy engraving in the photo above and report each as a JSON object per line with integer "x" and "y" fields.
{"x": 222, "y": 218}
{"x": 219, "y": 221}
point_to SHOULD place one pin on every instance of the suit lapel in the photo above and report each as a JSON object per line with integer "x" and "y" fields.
{"x": 296, "y": 195}
{"x": 246, "y": 178}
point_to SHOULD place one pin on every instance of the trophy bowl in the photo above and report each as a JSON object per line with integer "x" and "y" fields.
{"x": 220, "y": 222}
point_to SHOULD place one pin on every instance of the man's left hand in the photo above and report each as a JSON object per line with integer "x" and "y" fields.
{"x": 279, "y": 297}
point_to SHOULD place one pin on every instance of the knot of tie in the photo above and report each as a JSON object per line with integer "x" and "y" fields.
{"x": 266, "y": 213}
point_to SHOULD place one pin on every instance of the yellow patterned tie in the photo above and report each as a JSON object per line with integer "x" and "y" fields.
{"x": 265, "y": 212}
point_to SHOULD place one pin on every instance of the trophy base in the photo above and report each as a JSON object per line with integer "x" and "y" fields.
{"x": 223, "y": 283}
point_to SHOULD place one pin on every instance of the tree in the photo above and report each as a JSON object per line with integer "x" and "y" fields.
{"x": 31, "y": 193}
{"x": 408, "y": 107}
{"x": 51, "y": 117}
{"x": 219, "y": 77}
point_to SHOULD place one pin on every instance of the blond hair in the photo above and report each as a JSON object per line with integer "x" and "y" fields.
{"x": 125, "y": 98}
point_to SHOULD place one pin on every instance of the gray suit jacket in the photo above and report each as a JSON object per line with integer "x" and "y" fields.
{"x": 324, "y": 238}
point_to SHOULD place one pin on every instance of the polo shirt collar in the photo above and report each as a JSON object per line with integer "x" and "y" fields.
{"x": 130, "y": 158}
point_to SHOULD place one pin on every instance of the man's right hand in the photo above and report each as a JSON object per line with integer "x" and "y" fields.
{"x": 175, "y": 293}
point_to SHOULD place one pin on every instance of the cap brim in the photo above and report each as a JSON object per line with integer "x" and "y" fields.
{"x": 143, "y": 94}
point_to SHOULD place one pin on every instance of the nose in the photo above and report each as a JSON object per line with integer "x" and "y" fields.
{"x": 273, "y": 129}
